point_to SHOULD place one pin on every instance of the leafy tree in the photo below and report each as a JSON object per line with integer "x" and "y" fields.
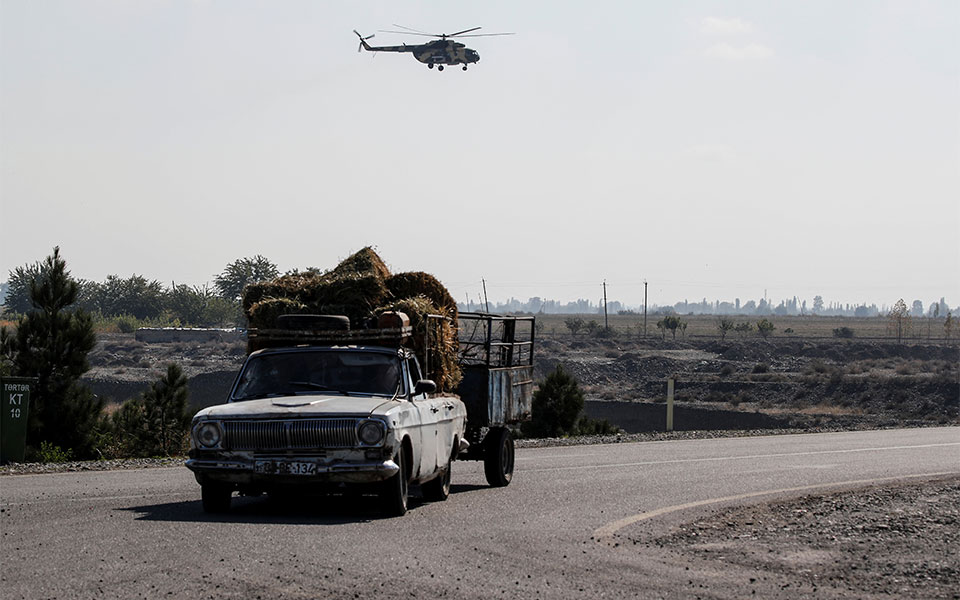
{"x": 765, "y": 328}
{"x": 51, "y": 344}
{"x": 242, "y": 272}
{"x": 557, "y": 405}
{"x": 187, "y": 303}
{"x": 132, "y": 296}
{"x": 899, "y": 319}
{"x": 574, "y": 324}
{"x": 672, "y": 323}
{"x": 948, "y": 325}
{"x": 742, "y": 328}
{"x": 725, "y": 325}
{"x": 592, "y": 327}
{"x": 817, "y": 304}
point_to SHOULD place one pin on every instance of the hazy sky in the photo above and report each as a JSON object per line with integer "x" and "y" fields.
{"x": 716, "y": 149}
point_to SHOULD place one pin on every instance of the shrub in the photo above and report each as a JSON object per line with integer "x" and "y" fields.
{"x": 127, "y": 323}
{"x": 843, "y": 332}
{"x": 765, "y": 328}
{"x": 557, "y": 405}
{"x": 726, "y": 369}
{"x": 588, "y": 426}
{"x": 50, "y": 453}
{"x": 761, "y": 368}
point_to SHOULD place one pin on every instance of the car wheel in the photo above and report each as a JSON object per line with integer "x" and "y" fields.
{"x": 216, "y": 498}
{"x": 498, "y": 457}
{"x": 395, "y": 491}
{"x": 438, "y": 488}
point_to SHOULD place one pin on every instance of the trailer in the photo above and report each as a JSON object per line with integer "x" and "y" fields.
{"x": 496, "y": 359}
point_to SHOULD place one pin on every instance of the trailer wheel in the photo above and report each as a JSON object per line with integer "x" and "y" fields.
{"x": 215, "y": 498}
{"x": 498, "y": 457}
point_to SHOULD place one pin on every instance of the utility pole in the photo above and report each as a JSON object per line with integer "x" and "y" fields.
{"x": 644, "y": 308}
{"x": 485, "y": 300}
{"x": 606, "y": 322}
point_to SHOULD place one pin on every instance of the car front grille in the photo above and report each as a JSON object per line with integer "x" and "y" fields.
{"x": 290, "y": 434}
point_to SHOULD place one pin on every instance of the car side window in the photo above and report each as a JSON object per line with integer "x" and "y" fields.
{"x": 414, "y": 368}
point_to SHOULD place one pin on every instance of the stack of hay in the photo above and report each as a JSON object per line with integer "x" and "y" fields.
{"x": 362, "y": 287}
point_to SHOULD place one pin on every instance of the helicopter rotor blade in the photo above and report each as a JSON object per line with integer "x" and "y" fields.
{"x": 485, "y": 34}
{"x": 462, "y": 32}
{"x": 362, "y": 39}
{"x": 411, "y": 29}
{"x": 409, "y": 33}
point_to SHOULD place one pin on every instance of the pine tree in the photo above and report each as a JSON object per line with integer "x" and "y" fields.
{"x": 51, "y": 344}
{"x": 165, "y": 411}
{"x": 557, "y": 405}
{"x": 155, "y": 423}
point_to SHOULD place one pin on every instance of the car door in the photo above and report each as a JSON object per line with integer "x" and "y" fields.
{"x": 430, "y": 414}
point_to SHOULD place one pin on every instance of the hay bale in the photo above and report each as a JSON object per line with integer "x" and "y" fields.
{"x": 263, "y": 314}
{"x": 418, "y": 283}
{"x": 362, "y": 262}
{"x": 444, "y": 369}
{"x": 354, "y": 288}
{"x": 362, "y": 287}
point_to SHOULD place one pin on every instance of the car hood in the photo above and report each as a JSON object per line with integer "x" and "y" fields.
{"x": 312, "y": 405}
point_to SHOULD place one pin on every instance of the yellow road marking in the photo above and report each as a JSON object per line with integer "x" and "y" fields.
{"x": 605, "y": 534}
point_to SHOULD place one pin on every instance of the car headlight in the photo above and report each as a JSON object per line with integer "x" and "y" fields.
{"x": 370, "y": 432}
{"x": 208, "y": 434}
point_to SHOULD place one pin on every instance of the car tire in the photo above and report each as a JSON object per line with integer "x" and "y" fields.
{"x": 215, "y": 498}
{"x": 438, "y": 488}
{"x": 395, "y": 492}
{"x": 498, "y": 456}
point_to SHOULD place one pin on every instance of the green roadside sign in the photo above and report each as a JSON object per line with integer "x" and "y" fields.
{"x": 14, "y": 405}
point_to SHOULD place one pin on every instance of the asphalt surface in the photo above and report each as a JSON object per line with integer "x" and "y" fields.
{"x": 558, "y": 531}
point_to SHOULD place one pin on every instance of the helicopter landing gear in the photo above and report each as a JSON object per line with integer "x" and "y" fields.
{"x": 429, "y": 65}
{"x": 439, "y": 67}
{"x": 464, "y": 67}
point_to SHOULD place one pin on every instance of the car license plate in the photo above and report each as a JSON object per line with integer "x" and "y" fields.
{"x": 285, "y": 467}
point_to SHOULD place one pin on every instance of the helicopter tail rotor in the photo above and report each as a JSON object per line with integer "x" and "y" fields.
{"x": 363, "y": 40}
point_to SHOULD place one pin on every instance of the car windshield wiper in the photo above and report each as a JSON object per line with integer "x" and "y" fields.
{"x": 259, "y": 396}
{"x": 318, "y": 386}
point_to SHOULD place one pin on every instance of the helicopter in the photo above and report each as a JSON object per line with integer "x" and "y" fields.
{"x": 439, "y": 52}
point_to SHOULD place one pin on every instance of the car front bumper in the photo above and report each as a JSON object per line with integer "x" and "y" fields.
{"x": 244, "y": 472}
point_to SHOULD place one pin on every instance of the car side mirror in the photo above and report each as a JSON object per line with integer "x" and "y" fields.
{"x": 424, "y": 386}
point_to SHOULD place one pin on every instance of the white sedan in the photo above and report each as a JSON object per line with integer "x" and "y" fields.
{"x": 308, "y": 417}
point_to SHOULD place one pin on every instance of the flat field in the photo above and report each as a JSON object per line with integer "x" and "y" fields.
{"x": 704, "y": 326}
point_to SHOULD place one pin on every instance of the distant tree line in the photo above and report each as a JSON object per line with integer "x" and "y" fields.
{"x": 139, "y": 299}
{"x": 763, "y": 307}
{"x": 50, "y": 343}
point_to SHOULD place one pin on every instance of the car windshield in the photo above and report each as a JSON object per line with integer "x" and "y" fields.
{"x": 329, "y": 371}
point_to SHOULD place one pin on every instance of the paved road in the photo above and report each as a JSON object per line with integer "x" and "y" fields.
{"x": 562, "y": 529}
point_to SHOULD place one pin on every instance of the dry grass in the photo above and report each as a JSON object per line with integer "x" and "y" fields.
{"x": 809, "y": 326}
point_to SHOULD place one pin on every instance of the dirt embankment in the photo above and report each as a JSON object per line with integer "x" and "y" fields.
{"x": 893, "y": 541}
{"x": 737, "y": 384}
{"x": 122, "y": 367}
{"x": 787, "y": 383}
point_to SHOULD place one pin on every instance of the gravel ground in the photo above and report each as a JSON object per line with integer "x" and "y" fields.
{"x": 897, "y": 540}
